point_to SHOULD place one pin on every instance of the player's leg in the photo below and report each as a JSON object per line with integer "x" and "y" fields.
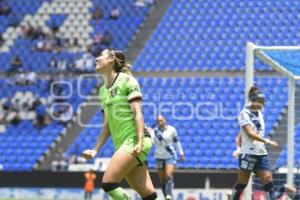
{"x": 160, "y": 165}
{"x": 170, "y": 168}
{"x": 264, "y": 172}
{"x": 246, "y": 165}
{"x": 267, "y": 181}
{"x": 120, "y": 164}
{"x": 140, "y": 180}
{"x": 243, "y": 178}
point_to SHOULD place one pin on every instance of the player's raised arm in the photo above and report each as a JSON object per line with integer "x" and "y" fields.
{"x": 251, "y": 134}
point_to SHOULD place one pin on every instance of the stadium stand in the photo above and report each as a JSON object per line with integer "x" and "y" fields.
{"x": 209, "y": 126}
{"x": 24, "y": 140}
{"x": 113, "y": 24}
{"x": 37, "y": 36}
{"x": 37, "y": 43}
{"x": 201, "y": 35}
{"x": 282, "y": 160}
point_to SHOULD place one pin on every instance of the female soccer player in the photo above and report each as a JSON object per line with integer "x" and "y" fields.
{"x": 284, "y": 191}
{"x": 120, "y": 98}
{"x": 165, "y": 138}
{"x": 253, "y": 156}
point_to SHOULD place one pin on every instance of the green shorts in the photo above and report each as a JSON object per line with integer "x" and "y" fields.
{"x": 129, "y": 145}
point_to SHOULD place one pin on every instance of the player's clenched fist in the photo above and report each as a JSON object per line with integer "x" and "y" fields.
{"x": 89, "y": 154}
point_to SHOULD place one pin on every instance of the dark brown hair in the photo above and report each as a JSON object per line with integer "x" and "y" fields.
{"x": 253, "y": 90}
{"x": 120, "y": 64}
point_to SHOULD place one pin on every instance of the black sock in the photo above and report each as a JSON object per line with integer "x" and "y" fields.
{"x": 237, "y": 191}
{"x": 169, "y": 187}
{"x": 163, "y": 188}
{"x": 269, "y": 191}
{"x": 152, "y": 196}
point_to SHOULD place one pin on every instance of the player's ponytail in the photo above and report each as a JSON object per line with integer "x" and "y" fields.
{"x": 255, "y": 93}
{"x": 120, "y": 62}
{"x": 254, "y": 89}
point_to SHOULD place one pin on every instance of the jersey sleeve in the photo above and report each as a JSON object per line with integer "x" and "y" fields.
{"x": 133, "y": 89}
{"x": 177, "y": 142}
{"x": 244, "y": 119}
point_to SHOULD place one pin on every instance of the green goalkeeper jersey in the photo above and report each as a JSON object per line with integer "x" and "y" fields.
{"x": 115, "y": 104}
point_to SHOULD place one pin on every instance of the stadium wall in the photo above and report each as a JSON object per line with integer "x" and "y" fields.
{"x": 45, "y": 179}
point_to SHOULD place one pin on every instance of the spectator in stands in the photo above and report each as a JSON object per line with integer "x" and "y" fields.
{"x": 20, "y": 78}
{"x": 97, "y": 14}
{"x": 71, "y": 44}
{"x": 30, "y": 78}
{"x": 89, "y": 185}
{"x": 53, "y": 64}
{"x": 49, "y": 43}
{"x": 11, "y": 112}
{"x": 41, "y": 114}
{"x": 62, "y": 65}
{"x": 7, "y": 105}
{"x": 107, "y": 39}
{"x": 60, "y": 161}
{"x": 16, "y": 64}
{"x": 59, "y": 43}
{"x": 4, "y": 8}
{"x": 27, "y": 31}
{"x": 115, "y": 13}
{"x": 85, "y": 63}
{"x": 40, "y": 44}
{"x": 38, "y": 32}
{"x": 65, "y": 115}
{"x": 71, "y": 65}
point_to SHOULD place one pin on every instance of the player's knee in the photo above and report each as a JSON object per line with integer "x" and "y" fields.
{"x": 240, "y": 187}
{"x": 109, "y": 186}
{"x": 152, "y": 196}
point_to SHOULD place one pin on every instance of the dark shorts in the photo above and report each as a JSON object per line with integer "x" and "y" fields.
{"x": 254, "y": 163}
{"x": 161, "y": 163}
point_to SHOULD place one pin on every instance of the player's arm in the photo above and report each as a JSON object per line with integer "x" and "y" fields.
{"x": 152, "y": 134}
{"x": 245, "y": 123}
{"x": 178, "y": 145}
{"x": 238, "y": 140}
{"x": 102, "y": 138}
{"x": 136, "y": 107}
{"x": 251, "y": 134}
{"x": 238, "y": 143}
{"x": 135, "y": 100}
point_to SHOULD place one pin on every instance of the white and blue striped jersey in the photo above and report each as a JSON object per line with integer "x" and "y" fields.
{"x": 165, "y": 141}
{"x": 256, "y": 121}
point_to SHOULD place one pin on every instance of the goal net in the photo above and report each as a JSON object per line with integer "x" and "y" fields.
{"x": 282, "y": 110}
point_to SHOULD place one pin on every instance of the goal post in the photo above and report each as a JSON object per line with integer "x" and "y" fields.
{"x": 282, "y": 59}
